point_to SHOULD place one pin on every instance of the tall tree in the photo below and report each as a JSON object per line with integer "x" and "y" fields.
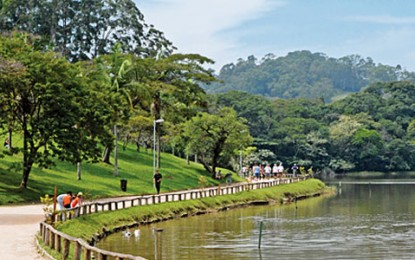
{"x": 84, "y": 29}
{"x": 111, "y": 74}
{"x": 46, "y": 101}
{"x": 172, "y": 83}
{"x": 212, "y": 136}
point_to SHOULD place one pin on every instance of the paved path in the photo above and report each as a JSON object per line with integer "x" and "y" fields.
{"x": 18, "y": 225}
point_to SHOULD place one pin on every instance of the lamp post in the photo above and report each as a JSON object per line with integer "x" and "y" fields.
{"x": 240, "y": 162}
{"x": 160, "y": 120}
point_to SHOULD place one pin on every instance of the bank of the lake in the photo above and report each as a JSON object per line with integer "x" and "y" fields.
{"x": 93, "y": 227}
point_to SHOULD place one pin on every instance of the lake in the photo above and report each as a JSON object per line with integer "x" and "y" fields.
{"x": 366, "y": 219}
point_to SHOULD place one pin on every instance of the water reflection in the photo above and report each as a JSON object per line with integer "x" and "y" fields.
{"x": 363, "y": 221}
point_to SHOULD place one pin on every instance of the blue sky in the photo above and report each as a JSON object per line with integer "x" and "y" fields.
{"x": 226, "y": 30}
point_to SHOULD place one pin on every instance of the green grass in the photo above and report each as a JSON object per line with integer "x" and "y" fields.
{"x": 86, "y": 227}
{"x": 98, "y": 180}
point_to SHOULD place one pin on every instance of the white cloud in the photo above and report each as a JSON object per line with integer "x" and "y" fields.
{"x": 199, "y": 26}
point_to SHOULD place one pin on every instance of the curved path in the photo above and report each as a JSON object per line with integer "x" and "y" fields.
{"x": 18, "y": 225}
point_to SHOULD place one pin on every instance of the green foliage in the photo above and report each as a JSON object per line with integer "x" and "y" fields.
{"x": 369, "y": 130}
{"x": 304, "y": 74}
{"x": 47, "y": 202}
{"x": 46, "y": 102}
{"x": 203, "y": 181}
{"x": 82, "y": 30}
{"x": 217, "y": 135}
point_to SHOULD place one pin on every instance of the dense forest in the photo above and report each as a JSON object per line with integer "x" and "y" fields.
{"x": 370, "y": 130}
{"x": 302, "y": 74}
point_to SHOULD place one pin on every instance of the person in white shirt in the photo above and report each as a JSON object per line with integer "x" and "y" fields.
{"x": 280, "y": 170}
{"x": 275, "y": 170}
{"x": 267, "y": 171}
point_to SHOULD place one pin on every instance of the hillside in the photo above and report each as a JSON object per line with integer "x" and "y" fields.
{"x": 98, "y": 179}
{"x": 303, "y": 74}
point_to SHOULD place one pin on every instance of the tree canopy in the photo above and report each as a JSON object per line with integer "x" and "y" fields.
{"x": 84, "y": 29}
{"x": 50, "y": 105}
{"x": 303, "y": 74}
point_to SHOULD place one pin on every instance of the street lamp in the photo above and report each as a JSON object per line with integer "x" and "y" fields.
{"x": 161, "y": 120}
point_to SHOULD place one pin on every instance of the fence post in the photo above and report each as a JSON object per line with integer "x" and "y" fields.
{"x": 87, "y": 254}
{"x": 77, "y": 250}
{"x": 58, "y": 246}
{"x": 66, "y": 245}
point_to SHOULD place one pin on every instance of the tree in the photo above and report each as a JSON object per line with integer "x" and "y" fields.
{"x": 85, "y": 29}
{"x": 45, "y": 94}
{"x": 212, "y": 136}
{"x": 172, "y": 83}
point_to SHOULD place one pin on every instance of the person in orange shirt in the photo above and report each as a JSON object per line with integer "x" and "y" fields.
{"x": 77, "y": 201}
{"x": 66, "y": 200}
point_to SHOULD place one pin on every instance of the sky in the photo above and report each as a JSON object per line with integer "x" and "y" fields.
{"x": 227, "y": 30}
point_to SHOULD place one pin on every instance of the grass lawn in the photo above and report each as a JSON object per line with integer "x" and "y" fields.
{"x": 98, "y": 180}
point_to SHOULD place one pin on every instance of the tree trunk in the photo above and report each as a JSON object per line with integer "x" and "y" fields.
{"x": 211, "y": 170}
{"x": 106, "y": 156}
{"x": 27, "y": 165}
{"x": 10, "y": 139}
{"x": 78, "y": 166}
{"x": 25, "y": 177}
{"x": 27, "y": 155}
{"x": 116, "y": 151}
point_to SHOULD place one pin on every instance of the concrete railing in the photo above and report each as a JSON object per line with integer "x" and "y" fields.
{"x": 62, "y": 243}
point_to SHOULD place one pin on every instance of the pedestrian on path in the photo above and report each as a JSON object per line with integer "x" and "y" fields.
{"x": 157, "y": 180}
{"x": 294, "y": 168}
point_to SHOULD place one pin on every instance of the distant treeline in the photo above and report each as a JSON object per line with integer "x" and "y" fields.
{"x": 370, "y": 130}
{"x": 303, "y": 74}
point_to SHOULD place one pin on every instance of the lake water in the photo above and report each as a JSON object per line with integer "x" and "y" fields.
{"x": 368, "y": 219}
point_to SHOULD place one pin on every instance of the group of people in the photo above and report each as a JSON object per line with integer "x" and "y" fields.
{"x": 68, "y": 201}
{"x": 265, "y": 171}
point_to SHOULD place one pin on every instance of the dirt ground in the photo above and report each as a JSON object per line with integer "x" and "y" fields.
{"x": 18, "y": 225}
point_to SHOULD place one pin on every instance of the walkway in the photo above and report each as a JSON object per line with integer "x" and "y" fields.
{"x": 18, "y": 225}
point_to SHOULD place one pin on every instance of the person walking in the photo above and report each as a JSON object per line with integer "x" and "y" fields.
{"x": 294, "y": 168}
{"x": 157, "y": 180}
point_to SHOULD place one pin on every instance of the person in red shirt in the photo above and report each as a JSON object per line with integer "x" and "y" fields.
{"x": 77, "y": 201}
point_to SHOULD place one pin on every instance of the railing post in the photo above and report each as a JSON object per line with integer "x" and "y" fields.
{"x": 87, "y": 254}
{"x": 58, "y": 246}
{"x": 52, "y": 240}
{"x": 47, "y": 237}
{"x": 77, "y": 251}
{"x": 66, "y": 245}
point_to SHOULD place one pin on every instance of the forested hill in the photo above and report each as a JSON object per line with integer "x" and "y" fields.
{"x": 303, "y": 74}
